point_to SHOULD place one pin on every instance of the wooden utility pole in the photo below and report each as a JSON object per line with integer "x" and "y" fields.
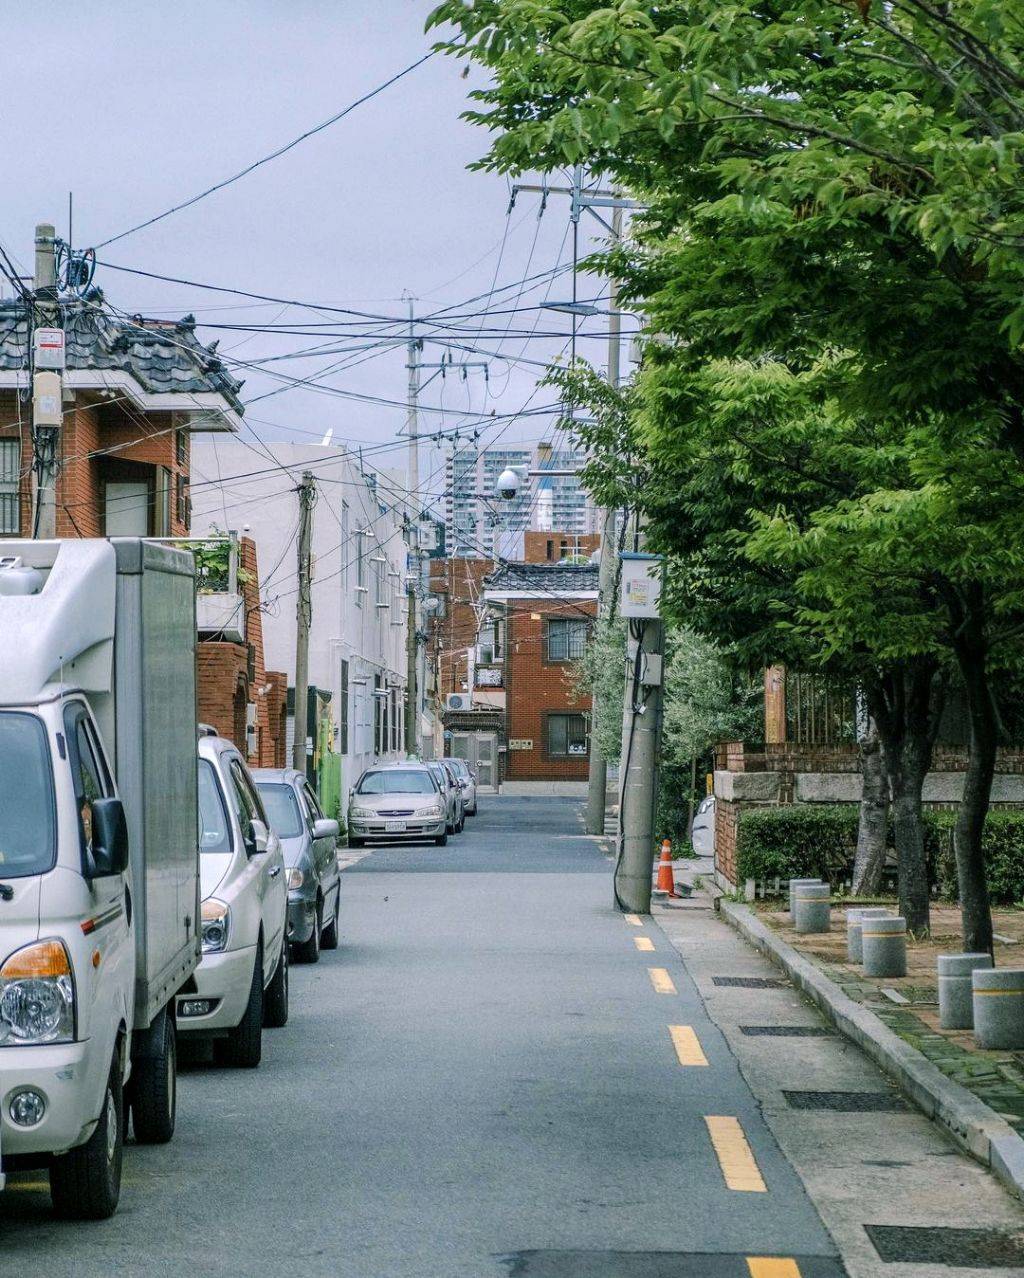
{"x": 303, "y": 616}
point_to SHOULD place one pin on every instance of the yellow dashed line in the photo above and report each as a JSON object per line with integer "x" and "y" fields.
{"x": 772, "y": 1267}
{"x": 635, "y": 919}
{"x": 643, "y": 943}
{"x": 661, "y": 980}
{"x": 687, "y": 1045}
{"x": 734, "y": 1155}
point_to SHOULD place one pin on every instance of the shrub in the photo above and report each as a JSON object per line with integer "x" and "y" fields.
{"x": 1003, "y": 847}
{"x": 801, "y": 841}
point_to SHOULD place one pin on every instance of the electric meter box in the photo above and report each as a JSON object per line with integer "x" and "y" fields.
{"x": 49, "y": 352}
{"x": 47, "y": 405}
{"x": 640, "y": 590}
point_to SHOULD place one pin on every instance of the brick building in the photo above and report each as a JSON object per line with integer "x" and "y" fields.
{"x": 541, "y": 547}
{"x": 548, "y": 611}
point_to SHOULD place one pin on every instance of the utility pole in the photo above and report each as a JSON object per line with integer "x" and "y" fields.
{"x": 47, "y": 398}
{"x": 303, "y": 616}
{"x": 411, "y": 690}
{"x": 597, "y": 780}
{"x": 412, "y": 428}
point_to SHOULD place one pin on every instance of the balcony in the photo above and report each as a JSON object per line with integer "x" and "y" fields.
{"x": 489, "y": 677}
{"x": 220, "y": 604}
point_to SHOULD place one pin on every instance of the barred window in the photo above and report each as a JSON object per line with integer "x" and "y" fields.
{"x": 567, "y": 639}
{"x": 567, "y": 735}
{"x": 10, "y": 506}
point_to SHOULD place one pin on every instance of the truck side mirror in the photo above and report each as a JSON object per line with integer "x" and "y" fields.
{"x": 109, "y": 839}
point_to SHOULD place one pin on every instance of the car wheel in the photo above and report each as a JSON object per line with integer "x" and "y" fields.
{"x": 309, "y": 951}
{"x": 330, "y": 936}
{"x": 85, "y": 1183}
{"x": 153, "y": 1090}
{"x": 441, "y": 839}
{"x": 275, "y": 1001}
{"x": 243, "y": 1047}
{"x": 462, "y": 824}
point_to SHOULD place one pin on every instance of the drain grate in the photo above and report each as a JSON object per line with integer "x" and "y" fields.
{"x": 847, "y": 1102}
{"x": 750, "y": 982}
{"x": 785, "y": 1031}
{"x": 957, "y": 1248}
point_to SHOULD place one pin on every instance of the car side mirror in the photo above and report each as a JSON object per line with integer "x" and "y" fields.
{"x": 325, "y": 828}
{"x": 255, "y": 838}
{"x": 109, "y": 839}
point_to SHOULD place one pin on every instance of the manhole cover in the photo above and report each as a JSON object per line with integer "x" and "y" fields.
{"x": 958, "y": 1248}
{"x": 785, "y": 1031}
{"x": 847, "y": 1102}
{"x": 750, "y": 982}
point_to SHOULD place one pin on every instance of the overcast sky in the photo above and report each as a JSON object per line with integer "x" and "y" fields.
{"x": 136, "y": 106}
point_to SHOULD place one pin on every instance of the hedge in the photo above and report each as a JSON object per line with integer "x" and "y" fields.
{"x": 819, "y": 840}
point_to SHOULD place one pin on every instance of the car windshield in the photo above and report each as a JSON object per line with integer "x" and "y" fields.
{"x": 27, "y": 834}
{"x": 397, "y": 781}
{"x": 214, "y": 831}
{"x": 282, "y": 808}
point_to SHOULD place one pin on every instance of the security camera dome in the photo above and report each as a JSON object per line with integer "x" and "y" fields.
{"x": 508, "y": 484}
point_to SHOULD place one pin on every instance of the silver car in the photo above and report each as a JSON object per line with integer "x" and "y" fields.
{"x": 467, "y": 780}
{"x": 449, "y": 784}
{"x": 399, "y": 802}
{"x": 309, "y": 841}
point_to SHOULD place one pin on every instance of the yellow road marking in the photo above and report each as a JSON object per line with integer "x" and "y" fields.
{"x": 36, "y": 1186}
{"x": 634, "y": 919}
{"x": 661, "y": 980}
{"x": 734, "y": 1155}
{"x": 772, "y": 1267}
{"x": 643, "y": 943}
{"x": 687, "y": 1045}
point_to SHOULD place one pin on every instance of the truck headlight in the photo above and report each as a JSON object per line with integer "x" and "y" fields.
{"x": 37, "y": 996}
{"x": 216, "y": 920}
{"x": 295, "y": 879}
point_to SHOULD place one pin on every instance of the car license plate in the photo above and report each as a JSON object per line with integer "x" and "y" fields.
{"x": 394, "y": 827}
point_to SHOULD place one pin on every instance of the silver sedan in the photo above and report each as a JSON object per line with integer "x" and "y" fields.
{"x": 397, "y": 803}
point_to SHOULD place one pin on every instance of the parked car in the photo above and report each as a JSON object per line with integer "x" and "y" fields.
{"x": 242, "y": 978}
{"x": 309, "y": 841}
{"x": 467, "y": 780}
{"x": 449, "y": 785}
{"x": 400, "y": 802}
{"x": 702, "y": 836}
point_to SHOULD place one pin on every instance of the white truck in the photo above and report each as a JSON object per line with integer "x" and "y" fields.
{"x": 99, "y": 876}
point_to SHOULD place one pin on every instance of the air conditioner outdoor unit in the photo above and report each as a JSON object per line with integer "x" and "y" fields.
{"x": 459, "y": 701}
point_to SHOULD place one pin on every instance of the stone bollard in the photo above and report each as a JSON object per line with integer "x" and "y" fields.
{"x": 854, "y": 919}
{"x": 793, "y": 885}
{"x": 884, "y": 943}
{"x": 956, "y": 1006}
{"x": 813, "y": 908}
{"x": 999, "y": 1007}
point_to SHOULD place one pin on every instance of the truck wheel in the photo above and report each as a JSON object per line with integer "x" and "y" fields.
{"x": 153, "y": 1090}
{"x": 243, "y": 1047}
{"x": 309, "y": 951}
{"x": 85, "y": 1183}
{"x": 275, "y": 1001}
{"x": 329, "y": 940}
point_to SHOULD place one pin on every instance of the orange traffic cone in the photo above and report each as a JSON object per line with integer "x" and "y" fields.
{"x": 666, "y": 882}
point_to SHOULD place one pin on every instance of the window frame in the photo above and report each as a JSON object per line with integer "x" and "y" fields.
{"x": 567, "y": 626}
{"x": 552, "y": 715}
{"x": 10, "y": 487}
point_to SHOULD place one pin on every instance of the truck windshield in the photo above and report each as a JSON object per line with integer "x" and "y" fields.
{"x": 282, "y": 808}
{"x": 27, "y": 818}
{"x": 214, "y": 831}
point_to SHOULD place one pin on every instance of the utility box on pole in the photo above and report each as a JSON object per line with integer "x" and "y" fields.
{"x": 641, "y": 586}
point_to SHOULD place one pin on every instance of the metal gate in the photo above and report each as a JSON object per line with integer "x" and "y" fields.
{"x": 480, "y": 750}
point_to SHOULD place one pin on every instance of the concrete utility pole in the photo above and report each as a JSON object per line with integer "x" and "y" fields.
{"x": 597, "y": 780}
{"x": 412, "y": 427}
{"x": 303, "y": 616}
{"x": 412, "y": 716}
{"x": 47, "y": 401}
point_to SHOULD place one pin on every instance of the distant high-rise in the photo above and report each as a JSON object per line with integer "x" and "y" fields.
{"x": 479, "y": 523}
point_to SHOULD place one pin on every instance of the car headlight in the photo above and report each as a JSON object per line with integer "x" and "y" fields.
{"x": 37, "y": 996}
{"x": 295, "y": 879}
{"x": 363, "y": 812}
{"x": 216, "y": 920}
{"x": 435, "y": 810}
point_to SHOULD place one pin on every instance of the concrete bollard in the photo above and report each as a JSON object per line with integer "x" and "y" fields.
{"x": 854, "y": 919}
{"x": 813, "y": 908}
{"x": 793, "y": 885}
{"x": 884, "y": 943}
{"x": 999, "y": 1007}
{"x": 956, "y": 1004}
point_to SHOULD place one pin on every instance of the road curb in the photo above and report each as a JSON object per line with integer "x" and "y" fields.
{"x": 973, "y": 1125}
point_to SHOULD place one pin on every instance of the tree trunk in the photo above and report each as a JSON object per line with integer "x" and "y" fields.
{"x": 906, "y": 704}
{"x": 874, "y": 816}
{"x": 975, "y": 909}
{"x": 690, "y": 806}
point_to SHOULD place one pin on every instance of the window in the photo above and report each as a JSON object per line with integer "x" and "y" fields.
{"x": 312, "y": 802}
{"x": 282, "y": 808}
{"x": 378, "y": 701}
{"x": 27, "y": 812}
{"x": 345, "y": 551}
{"x": 10, "y": 504}
{"x": 249, "y": 805}
{"x": 343, "y": 710}
{"x": 182, "y": 511}
{"x": 88, "y": 772}
{"x": 566, "y": 639}
{"x": 181, "y": 446}
{"x": 394, "y": 719}
{"x": 214, "y": 830}
{"x": 360, "y": 568}
{"x": 567, "y": 735}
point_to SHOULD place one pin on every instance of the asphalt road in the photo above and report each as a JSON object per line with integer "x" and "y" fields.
{"x": 480, "y": 1082}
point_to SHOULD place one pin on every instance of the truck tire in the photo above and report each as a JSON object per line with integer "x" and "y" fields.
{"x": 243, "y": 1047}
{"x": 153, "y": 1090}
{"x": 329, "y": 941}
{"x": 275, "y": 1001}
{"x": 308, "y": 951}
{"x": 85, "y": 1183}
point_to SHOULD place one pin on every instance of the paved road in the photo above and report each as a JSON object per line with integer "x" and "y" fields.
{"x": 481, "y": 1082}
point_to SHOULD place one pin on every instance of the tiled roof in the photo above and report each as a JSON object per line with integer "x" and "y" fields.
{"x": 162, "y": 355}
{"x": 546, "y": 579}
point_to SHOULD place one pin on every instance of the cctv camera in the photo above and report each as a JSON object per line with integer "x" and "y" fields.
{"x": 509, "y": 482}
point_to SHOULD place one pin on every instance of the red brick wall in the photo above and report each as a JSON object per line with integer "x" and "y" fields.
{"x": 221, "y": 673}
{"x": 535, "y": 687}
{"x": 727, "y": 817}
{"x": 460, "y": 583}
{"x": 536, "y": 544}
